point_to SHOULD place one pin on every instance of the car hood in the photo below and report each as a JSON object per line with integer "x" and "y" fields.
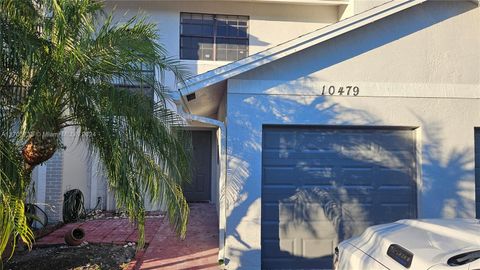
{"x": 432, "y": 241}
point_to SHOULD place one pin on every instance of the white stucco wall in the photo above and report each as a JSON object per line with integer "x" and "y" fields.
{"x": 358, "y": 6}
{"x": 75, "y": 165}
{"x": 270, "y": 23}
{"x": 418, "y": 68}
{"x": 363, "y": 5}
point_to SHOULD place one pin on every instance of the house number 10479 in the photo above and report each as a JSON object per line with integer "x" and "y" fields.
{"x": 340, "y": 91}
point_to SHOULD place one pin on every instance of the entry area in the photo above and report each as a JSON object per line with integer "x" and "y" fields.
{"x": 199, "y": 189}
{"x": 321, "y": 185}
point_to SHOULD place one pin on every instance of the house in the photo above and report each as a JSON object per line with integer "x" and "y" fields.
{"x": 312, "y": 120}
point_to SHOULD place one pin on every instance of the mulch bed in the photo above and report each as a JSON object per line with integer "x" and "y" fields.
{"x": 84, "y": 257}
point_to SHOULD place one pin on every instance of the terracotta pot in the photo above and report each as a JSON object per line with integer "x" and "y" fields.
{"x": 74, "y": 236}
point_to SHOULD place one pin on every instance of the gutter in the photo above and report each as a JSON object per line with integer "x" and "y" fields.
{"x": 222, "y": 221}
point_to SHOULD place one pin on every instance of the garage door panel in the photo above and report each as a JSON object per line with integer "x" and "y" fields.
{"x": 394, "y": 161}
{"x": 357, "y": 211}
{"x": 270, "y": 230}
{"x": 354, "y": 228}
{"x": 275, "y": 194}
{"x": 316, "y": 211}
{"x": 279, "y": 140}
{"x": 316, "y": 141}
{"x": 317, "y": 178}
{"x": 403, "y": 140}
{"x": 306, "y": 211}
{"x": 395, "y": 211}
{"x": 334, "y": 164}
{"x": 271, "y": 211}
{"x": 321, "y": 175}
{"x": 328, "y": 141}
{"x": 324, "y": 184}
{"x": 297, "y": 263}
{"x": 299, "y": 210}
{"x": 279, "y": 175}
{"x": 351, "y": 159}
{"x": 357, "y": 194}
{"x": 277, "y": 249}
{"x": 357, "y": 176}
{"x": 298, "y": 230}
{"x": 396, "y": 177}
{"x": 306, "y": 230}
{"x": 394, "y": 195}
{"x": 312, "y": 194}
{"x": 278, "y": 157}
{"x": 296, "y": 158}
{"x": 306, "y": 263}
{"x": 317, "y": 248}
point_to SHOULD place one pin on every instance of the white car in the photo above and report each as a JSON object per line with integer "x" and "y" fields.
{"x": 413, "y": 244}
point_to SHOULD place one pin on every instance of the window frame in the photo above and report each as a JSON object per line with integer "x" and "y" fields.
{"x": 139, "y": 86}
{"x": 215, "y": 36}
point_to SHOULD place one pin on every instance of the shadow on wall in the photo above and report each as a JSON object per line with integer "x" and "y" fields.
{"x": 360, "y": 41}
{"x": 329, "y": 204}
{"x": 329, "y": 185}
{"x": 442, "y": 176}
{"x": 447, "y": 177}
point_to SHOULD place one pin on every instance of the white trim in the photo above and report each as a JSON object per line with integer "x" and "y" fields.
{"x": 214, "y": 198}
{"x": 41, "y": 185}
{"x": 287, "y": 48}
{"x": 419, "y": 179}
{"x": 290, "y": 2}
{"x": 222, "y": 221}
{"x": 94, "y": 169}
{"x": 205, "y": 62}
{"x": 314, "y": 88}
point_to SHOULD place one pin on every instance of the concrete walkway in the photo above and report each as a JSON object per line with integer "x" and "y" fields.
{"x": 165, "y": 250}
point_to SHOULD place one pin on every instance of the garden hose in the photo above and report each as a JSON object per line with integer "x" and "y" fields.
{"x": 36, "y": 214}
{"x": 73, "y": 206}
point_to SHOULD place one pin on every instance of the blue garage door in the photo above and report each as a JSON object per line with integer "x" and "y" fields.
{"x": 321, "y": 185}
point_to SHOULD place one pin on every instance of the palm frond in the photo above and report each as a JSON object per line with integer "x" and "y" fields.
{"x": 143, "y": 152}
{"x": 13, "y": 222}
{"x": 66, "y": 56}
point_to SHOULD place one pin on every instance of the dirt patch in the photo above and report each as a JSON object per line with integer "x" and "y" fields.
{"x": 88, "y": 257}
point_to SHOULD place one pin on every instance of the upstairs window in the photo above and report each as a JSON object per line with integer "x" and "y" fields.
{"x": 213, "y": 37}
{"x": 142, "y": 83}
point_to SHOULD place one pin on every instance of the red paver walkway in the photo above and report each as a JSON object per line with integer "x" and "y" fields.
{"x": 165, "y": 250}
{"x": 198, "y": 251}
{"x": 116, "y": 231}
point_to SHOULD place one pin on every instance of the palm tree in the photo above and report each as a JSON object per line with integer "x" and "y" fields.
{"x": 61, "y": 61}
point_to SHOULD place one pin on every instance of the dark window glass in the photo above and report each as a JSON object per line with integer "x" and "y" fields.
{"x": 213, "y": 37}
{"x": 146, "y": 77}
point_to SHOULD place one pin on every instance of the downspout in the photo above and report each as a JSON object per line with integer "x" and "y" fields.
{"x": 222, "y": 181}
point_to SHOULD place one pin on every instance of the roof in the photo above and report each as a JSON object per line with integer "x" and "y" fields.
{"x": 292, "y": 46}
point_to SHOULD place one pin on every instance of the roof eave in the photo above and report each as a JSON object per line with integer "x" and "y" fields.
{"x": 302, "y": 42}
